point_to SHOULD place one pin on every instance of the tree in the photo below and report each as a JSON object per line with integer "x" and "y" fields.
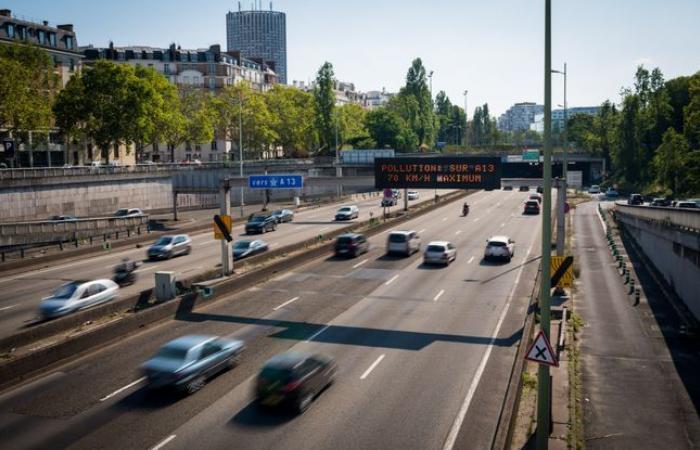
{"x": 293, "y": 119}
{"x": 417, "y": 107}
{"x": 351, "y": 123}
{"x": 626, "y": 156}
{"x": 324, "y": 97}
{"x": 387, "y": 129}
{"x": 669, "y": 160}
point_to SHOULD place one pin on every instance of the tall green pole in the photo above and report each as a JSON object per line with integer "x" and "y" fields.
{"x": 543, "y": 389}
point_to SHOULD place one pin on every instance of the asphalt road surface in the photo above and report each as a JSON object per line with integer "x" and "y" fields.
{"x": 22, "y": 293}
{"x": 424, "y": 354}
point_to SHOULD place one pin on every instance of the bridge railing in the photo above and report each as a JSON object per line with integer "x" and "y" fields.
{"x": 688, "y": 219}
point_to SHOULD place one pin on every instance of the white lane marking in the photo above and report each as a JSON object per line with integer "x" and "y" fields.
{"x": 503, "y": 224}
{"x": 323, "y": 229}
{"x": 315, "y": 335}
{"x": 371, "y": 368}
{"x": 444, "y": 219}
{"x": 391, "y": 280}
{"x": 120, "y": 390}
{"x": 164, "y": 442}
{"x": 457, "y": 424}
{"x": 458, "y": 232}
{"x": 360, "y": 263}
{"x": 470, "y": 260}
{"x": 439, "y": 294}
{"x": 147, "y": 268}
{"x": 602, "y": 222}
{"x": 421, "y": 231}
{"x": 7, "y": 307}
{"x": 285, "y": 303}
{"x": 477, "y": 219}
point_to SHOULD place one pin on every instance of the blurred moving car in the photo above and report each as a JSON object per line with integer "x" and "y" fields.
{"x": 283, "y": 215}
{"x": 187, "y": 362}
{"x": 294, "y": 380}
{"x": 537, "y": 197}
{"x": 594, "y": 189}
{"x": 687, "y": 204}
{"x": 661, "y": 201}
{"x": 260, "y": 224}
{"x": 413, "y": 195}
{"x": 168, "y": 246}
{"x": 540, "y": 190}
{"x": 508, "y": 187}
{"x": 524, "y": 188}
{"x": 404, "y": 242}
{"x": 440, "y": 252}
{"x": 389, "y": 201}
{"x": 77, "y": 295}
{"x": 128, "y": 212}
{"x": 246, "y": 248}
{"x": 499, "y": 247}
{"x": 351, "y": 244}
{"x": 635, "y": 199}
{"x": 63, "y": 219}
{"x": 347, "y": 212}
{"x": 612, "y": 193}
{"x": 531, "y": 207}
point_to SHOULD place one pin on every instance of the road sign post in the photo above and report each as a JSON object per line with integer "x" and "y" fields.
{"x": 225, "y": 198}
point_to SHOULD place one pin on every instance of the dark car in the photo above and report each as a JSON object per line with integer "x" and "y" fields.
{"x": 660, "y": 201}
{"x": 351, "y": 244}
{"x": 63, "y": 219}
{"x": 244, "y": 249}
{"x": 540, "y": 190}
{"x": 294, "y": 380}
{"x": 389, "y": 201}
{"x": 524, "y": 188}
{"x": 260, "y": 224}
{"x": 635, "y": 199}
{"x": 507, "y": 187}
{"x": 187, "y": 362}
{"x": 531, "y": 207}
{"x": 283, "y": 215}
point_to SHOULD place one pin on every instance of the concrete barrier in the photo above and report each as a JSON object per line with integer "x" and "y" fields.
{"x": 20, "y": 367}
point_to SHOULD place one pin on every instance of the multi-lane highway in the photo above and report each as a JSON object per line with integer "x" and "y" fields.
{"x": 22, "y": 293}
{"x": 424, "y": 353}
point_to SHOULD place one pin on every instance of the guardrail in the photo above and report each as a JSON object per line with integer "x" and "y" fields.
{"x": 31, "y": 233}
{"x": 688, "y": 219}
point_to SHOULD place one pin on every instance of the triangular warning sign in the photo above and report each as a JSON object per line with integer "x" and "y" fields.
{"x": 541, "y": 352}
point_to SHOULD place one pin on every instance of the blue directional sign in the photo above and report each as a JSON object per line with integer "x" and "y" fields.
{"x": 275, "y": 181}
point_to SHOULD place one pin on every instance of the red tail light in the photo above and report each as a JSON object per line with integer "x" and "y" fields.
{"x": 289, "y": 387}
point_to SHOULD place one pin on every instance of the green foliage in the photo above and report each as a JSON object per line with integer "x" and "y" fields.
{"x": 414, "y": 105}
{"x": 670, "y": 158}
{"x": 325, "y": 104}
{"x": 294, "y": 114}
{"x": 351, "y": 124}
{"x": 27, "y": 87}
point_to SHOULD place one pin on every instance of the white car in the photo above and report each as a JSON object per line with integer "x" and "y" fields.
{"x": 413, "y": 195}
{"x": 499, "y": 247}
{"x": 168, "y": 246}
{"x": 77, "y": 295}
{"x": 405, "y": 242}
{"x": 347, "y": 212}
{"x": 440, "y": 252}
{"x": 595, "y": 189}
{"x": 128, "y": 212}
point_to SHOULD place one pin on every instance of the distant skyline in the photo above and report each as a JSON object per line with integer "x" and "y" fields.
{"x": 496, "y": 52}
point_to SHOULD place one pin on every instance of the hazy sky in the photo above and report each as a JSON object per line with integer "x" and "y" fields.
{"x": 492, "y": 48}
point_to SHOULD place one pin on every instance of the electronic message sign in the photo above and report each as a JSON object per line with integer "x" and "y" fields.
{"x": 440, "y": 172}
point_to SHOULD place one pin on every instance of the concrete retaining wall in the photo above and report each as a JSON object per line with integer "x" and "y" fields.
{"x": 675, "y": 254}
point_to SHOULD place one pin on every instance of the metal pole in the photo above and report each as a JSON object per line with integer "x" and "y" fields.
{"x": 405, "y": 199}
{"x": 225, "y": 198}
{"x": 565, "y": 167}
{"x": 466, "y": 122}
{"x": 240, "y": 142}
{"x": 543, "y": 389}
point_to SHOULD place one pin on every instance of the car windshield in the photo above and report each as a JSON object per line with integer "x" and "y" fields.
{"x": 532, "y": 203}
{"x": 345, "y": 209}
{"x": 344, "y": 240}
{"x": 435, "y": 248}
{"x": 121, "y": 212}
{"x": 278, "y": 212}
{"x": 497, "y": 244}
{"x": 165, "y": 240}
{"x": 397, "y": 238}
{"x": 65, "y": 291}
{"x": 242, "y": 245}
{"x": 276, "y": 374}
{"x": 257, "y": 219}
{"x": 175, "y": 353}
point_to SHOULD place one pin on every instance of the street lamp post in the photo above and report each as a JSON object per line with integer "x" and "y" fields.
{"x": 563, "y": 185}
{"x": 466, "y": 122}
{"x": 240, "y": 141}
{"x": 430, "y": 75}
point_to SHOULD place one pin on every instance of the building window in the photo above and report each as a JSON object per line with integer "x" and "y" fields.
{"x": 214, "y": 145}
{"x": 52, "y": 39}
{"x": 41, "y": 36}
{"x": 198, "y": 148}
{"x": 212, "y": 69}
{"x": 72, "y": 65}
{"x": 155, "y": 147}
{"x": 10, "y": 30}
{"x": 188, "y": 146}
{"x": 212, "y": 83}
{"x": 166, "y": 69}
{"x": 69, "y": 42}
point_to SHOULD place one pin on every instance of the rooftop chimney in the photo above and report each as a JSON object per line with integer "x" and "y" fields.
{"x": 46, "y": 23}
{"x": 6, "y": 12}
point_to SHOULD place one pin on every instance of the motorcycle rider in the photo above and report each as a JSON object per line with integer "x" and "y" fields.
{"x": 465, "y": 209}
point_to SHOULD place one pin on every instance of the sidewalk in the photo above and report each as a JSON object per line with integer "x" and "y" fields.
{"x": 641, "y": 377}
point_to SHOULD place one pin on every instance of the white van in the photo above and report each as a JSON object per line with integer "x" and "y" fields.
{"x": 404, "y": 242}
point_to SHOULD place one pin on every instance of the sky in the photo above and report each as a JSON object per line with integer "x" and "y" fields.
{"x": 495, "y": 50}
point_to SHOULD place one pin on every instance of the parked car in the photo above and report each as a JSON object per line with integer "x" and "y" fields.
{"x": 389, "y": 201}
{"x": 531, "y": 207}
{"x": 440, "y": 252}
{"x": 168, "y": 246}
{"x": 63, "y": 219}
{"x": 635, "y": 199}
{"x": 413, "y": 195}
{"x": 507, "y": 187}
{"x": 404, "y": 242}
{"x": 661, "y": 201}
{"x": 294, "y": 380}
{"x": 594, "y": 189}
{"x": 347, "y": 212}
{"x": 524, "y": 188}
{"x": 77, "y": 295}
{"x": 245, "y": 248}
{"x": 687, "y": 204}
{"x": 128, "y": 212}
{"x": 537, "y": 197}
{"x": 612, "y": 193}
{"x": 283, "y": 215}
{"x": 351, "y": 244}
{"x": 187, "y": 362}
{"x": 499, "y": 247}
{"x": 260, "y": 224}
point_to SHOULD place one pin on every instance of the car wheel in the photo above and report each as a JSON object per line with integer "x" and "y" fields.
{"x": 233, "y": 361}
{"x": 304, "y": 403}
{"x": 195, "y": 385}
{"x": 188, "y": 251}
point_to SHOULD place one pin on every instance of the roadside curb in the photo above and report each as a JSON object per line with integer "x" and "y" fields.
{"x": 44, "y": 358}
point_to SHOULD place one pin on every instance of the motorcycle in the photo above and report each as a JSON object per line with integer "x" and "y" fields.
{"x": 465, "y": 210}
{"x": 124, "y": 276}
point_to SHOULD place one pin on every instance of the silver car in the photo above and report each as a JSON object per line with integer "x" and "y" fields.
{"x": 188, "y": 361}
{"x": 499, "y": 247}
{"x": 168, "y": 246}
{"x": 440, "y": 252}
{"x": 76, "y": 295}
